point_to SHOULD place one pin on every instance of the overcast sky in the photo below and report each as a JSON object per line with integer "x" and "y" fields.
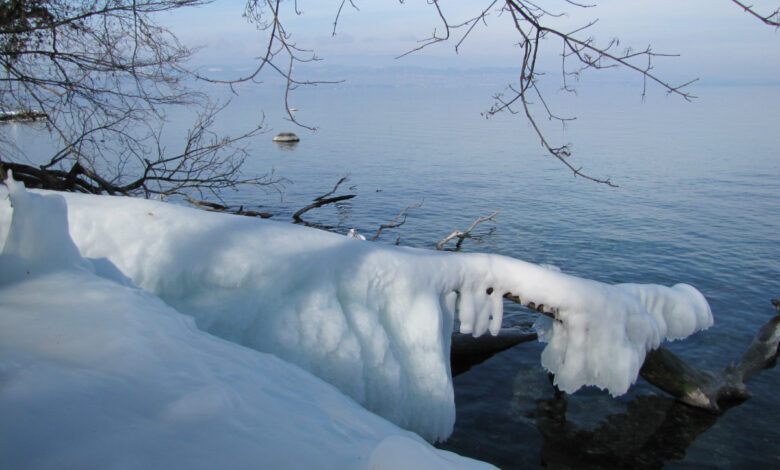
{"x": 717, "y": 42}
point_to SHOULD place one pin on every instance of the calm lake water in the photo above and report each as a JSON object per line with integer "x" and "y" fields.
{"x": 697, "y": 203}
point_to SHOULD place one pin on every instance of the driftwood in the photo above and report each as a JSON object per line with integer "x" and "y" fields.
{"x": 395, "y": 223}
{"x": 467, "y": 234}
{"x": 322, "y": 201}
{"x": 215, "y": 207}
{"x": 242, "y": 211}
{"x": 714, "y": 391}
{"x": 209, "y": 206}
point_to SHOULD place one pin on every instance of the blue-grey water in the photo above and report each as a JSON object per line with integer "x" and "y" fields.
{"x": 697, "y": 203}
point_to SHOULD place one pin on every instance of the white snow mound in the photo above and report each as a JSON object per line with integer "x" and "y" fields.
{"x": 374, "y": 320}
{"x": 95, "y": 373}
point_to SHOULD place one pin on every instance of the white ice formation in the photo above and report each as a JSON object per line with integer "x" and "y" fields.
{"x": 374, "y": 320}
{"x": 97, "y": 373}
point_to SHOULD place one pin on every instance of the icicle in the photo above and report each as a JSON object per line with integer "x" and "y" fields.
{"x": 466, "y": 311}
{"x": 497, "y": 313}
{"x": 484, "y": 310}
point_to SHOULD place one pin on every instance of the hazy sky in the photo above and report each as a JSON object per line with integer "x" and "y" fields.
{"x": 716, "y": 41}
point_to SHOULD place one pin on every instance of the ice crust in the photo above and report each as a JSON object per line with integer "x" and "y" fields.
{"x": 374, "y": 320}
{"x": 96, "y": 373}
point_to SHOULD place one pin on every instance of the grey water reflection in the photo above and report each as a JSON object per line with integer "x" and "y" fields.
{"x": 510, "y": 415}
{"x": 287, "y": 146}
{"x": 652, "y": 431}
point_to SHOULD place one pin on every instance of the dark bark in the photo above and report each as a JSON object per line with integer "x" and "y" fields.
{"x": 322, "y": 202}
{"x": 467, "y": 351}
{"x": 714, "y": 391}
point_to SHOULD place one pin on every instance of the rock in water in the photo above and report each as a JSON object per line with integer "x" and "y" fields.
{"x": 286, "y": 137}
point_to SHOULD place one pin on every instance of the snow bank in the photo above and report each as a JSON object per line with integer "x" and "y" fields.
{"x": 373, "y": 320}
{"x": 98, "y": 374}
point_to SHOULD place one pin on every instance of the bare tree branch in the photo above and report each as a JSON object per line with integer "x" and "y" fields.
{"x": 105, "y": 74}
{"x": 281, "y": 54}
{"x": 207, "y": 162}
{"x": 579, "y": 53}
{"x": 435, "y": 38}
{"x": 771, "y": 19}
{"x": 320, "y": 201}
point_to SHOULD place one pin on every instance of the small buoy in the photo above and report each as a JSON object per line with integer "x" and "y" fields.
{"x": 286, "y": 137}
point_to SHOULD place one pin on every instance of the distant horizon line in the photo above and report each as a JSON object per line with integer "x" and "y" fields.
{"x": 348, "y": 71}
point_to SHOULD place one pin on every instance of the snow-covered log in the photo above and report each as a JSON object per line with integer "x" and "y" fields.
{"x": 374, "y": 320}
{"x": 97, "y": 373}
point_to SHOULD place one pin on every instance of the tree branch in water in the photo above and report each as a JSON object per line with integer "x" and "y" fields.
{"x": 467, "y": 234}
{"x": 322, "y": 201}
{"x": 395, "y": 223}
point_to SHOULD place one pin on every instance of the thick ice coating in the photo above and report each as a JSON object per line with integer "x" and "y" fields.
{"x": 98, "y": 374}
{"x": 373, "y": 320}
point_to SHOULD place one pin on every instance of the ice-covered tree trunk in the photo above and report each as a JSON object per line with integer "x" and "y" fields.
{"x": 662, "y": 368}
{"x": 708, "y": 390}
{"x": 373, "y": 320}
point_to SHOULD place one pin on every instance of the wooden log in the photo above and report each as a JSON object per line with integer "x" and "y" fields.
{"x": 714, "y": 391}
{"x": 467, "y": 351}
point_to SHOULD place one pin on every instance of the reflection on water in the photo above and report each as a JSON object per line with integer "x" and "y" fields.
{"x": 286, "y": 146}
{"x": 509, "y": 414}
{"x": 652, "y": 431}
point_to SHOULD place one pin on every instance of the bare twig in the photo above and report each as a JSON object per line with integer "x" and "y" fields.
{"x": 467, "y": 234}
{"x": 338, "y": 13}
{"x": 335, "y": 188}
{"x": 395, "y": 222}
{"x": 771, "y": 19}
{"x": 435, "y": 38}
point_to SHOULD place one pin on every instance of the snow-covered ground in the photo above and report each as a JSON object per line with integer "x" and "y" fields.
{"x": 372, "y": 320}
